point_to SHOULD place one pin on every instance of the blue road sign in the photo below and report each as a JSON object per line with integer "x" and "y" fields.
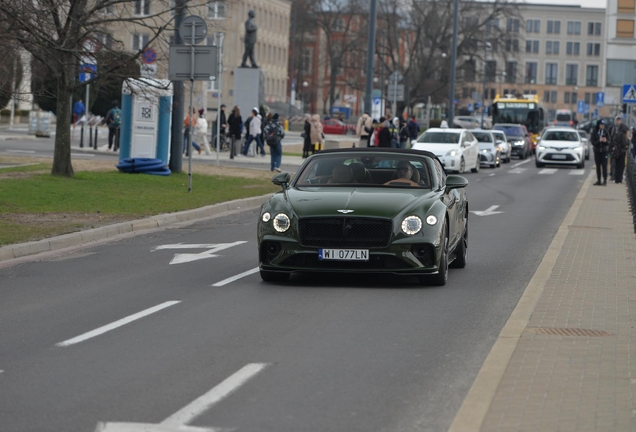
{"x": 376, "y": 101}
{"x": 587, "y": 109}
{"x": 629, "y": 93}
{"x": 471, "y": 108}
{"x": 87, "y": 72}
{"x": 600, "y": 99}
{"x": 478, "y": 105}
{"x": 580, "y": 107}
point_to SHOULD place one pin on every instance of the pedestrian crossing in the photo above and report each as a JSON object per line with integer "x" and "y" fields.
{"x": 548, "y": 171}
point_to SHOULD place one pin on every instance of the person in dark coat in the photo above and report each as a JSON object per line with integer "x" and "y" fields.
{"x": 600, "y": 143}
{"x": 618, "y": 150}
{"x": 307, "y": 145}
{"x": 235, "y": 125}
{"x": 384, "y": 134}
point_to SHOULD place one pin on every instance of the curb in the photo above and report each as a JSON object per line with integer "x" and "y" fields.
{"x": 17, "y": 138}
{"x": 21, "y": 250}
{"x": 476, "y": 404}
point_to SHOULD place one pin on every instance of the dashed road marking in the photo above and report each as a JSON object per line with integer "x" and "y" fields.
{"x": 237, "y": 277}
{"x": 521, "y": 163}
{"x": 548, "y": 171}
{"x": 577, "y": 172}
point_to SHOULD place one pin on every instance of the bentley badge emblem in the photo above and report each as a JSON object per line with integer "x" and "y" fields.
{"x": 345, "y": 211}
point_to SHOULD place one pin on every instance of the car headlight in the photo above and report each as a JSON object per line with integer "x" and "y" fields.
{"x": 452, "y": 153}
{"x": 542, "y": 147}
{"x": 518, "y": 143}
{"x": 486, "y": 151}
{"x": 431, "y": 220}
{"x": 411, "y": 225}
{"x": 266, "y": 217}
{"x": 281, "y": 222}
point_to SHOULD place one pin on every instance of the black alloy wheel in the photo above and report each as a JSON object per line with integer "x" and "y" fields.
{"x": 461, "y": 251}
{"x": 441, "y": 277}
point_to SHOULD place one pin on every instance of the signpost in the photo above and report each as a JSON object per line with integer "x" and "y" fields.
{"x": 629, "y": 93}
{"x": 580, "y": 107}
{"x": 398, "y": 90}
{"x": 600, "y": 99}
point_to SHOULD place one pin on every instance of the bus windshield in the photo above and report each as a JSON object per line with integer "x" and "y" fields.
{"x": 526, "y": 116}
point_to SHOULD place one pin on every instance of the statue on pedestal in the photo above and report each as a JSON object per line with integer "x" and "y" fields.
{"x": 250, "y": 40}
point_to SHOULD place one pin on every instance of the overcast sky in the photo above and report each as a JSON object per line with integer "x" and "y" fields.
{"x": 583, "y": 3}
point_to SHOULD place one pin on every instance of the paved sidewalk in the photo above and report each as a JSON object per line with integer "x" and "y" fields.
{"x": 572, "y": 366}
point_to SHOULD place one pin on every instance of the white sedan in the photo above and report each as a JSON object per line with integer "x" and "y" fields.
{"x": 506, "y": 148}
{"x": 561, "y": 146}
{"x": 456, "y": 148}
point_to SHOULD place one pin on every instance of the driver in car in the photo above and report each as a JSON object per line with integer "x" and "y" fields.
{"x": 405, "y": 173}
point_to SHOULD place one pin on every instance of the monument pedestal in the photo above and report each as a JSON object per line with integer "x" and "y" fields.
{"x": 249, "y": 89}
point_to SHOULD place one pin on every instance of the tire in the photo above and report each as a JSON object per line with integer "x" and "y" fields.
{"x": 461, "y": 251}
{"x": 476, "y": 169}
{"x": 269, "y": 276}
{"x": 462, "y": 166}
{"x": 539, "y": 164}
{"x": 587, "y": 156}
{"x": 581, "y": 165}
{"x": 522, "y": 155}
{"x": 441, "y": 277}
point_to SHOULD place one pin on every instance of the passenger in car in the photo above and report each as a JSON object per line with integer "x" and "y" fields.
{"x": 360, "y": 173}
{"x": 342, "y": 174}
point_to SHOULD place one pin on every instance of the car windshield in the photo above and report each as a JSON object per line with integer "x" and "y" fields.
{"x": 561, "y": 136}
{"x": 511, "y": 130}
{"x": 440, "y": 137}
{"x": 582, "y": 134}
{"x": 483, "y": 137}
{"x": 564, "y": 117}
{"x": 365, "y": 170}
{"x": 499, "y": 136}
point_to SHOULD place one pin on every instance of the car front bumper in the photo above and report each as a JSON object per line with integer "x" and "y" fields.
{"x": 451, "y": 163}
{"x": 560, "y": 157}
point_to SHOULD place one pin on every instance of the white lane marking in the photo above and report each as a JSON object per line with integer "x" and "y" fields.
{"x": 489, "y": 211}
{"x": 548, "y": 171}
{"x": 116, "y": 324}
{"x": 577, "y": 172}
{"x": 185, "y": 258}
{"x": 237, "y": 277}
{"x": 491, "y": 175}
{"x": 1, "y": 371}
{"x": 177, "y": 422}
{"x": 517, "y": 171}
{"x": 521, "y": 163}
{"x": 20, "y": 151}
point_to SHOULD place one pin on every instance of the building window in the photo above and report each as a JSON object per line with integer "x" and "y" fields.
{"x": 553, "y": 96}
{"x": 571, "y": 74}
{"x": 305, "y": 61}
{"x": 554, "y": 27}
{"x": 533, "y": 26}
{"x": 216, "y": 9}
{"x": 626, "y": 6}
{"x": 574, "y": 97}
{"x": 550, "y": 96}
{"x": 512, "y": 25}
{"x": 532, "y": 47}
{"x": 587, "y": 98}
{"x": 574, "y": 27}
{"x": 594, "y": 49}
{"x": 470, "y": 71}
{"x": 594, "y": 29}
{"x": 511, "y": 72}
{"x": 139, "y": 41}
{"x": 512, "y": 45}
{"x": 338, "y": 25}
{"x": 531, "y": 73}
{"x": 492, "y": 25}
{"x": 566, "y": 97}
{"x": 572, "y": 48}
{"x": 552, "y": 47}
{"x": 491, "y": 70}
{"x": 591, "y": 79}
{"x": 551, "y": 71}
{"x": 142, "y": 7}
{"x": 625, "y": 28}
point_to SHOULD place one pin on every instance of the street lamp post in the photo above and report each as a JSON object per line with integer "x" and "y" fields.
{"x": 305, "y": 85}
{"x": 451, "y": 112}
{"x": 483, "y": 95}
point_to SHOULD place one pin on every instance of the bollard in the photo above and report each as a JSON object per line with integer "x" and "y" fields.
{"x": 95, "y": 142}
{"x": 90, "y": 136}
{"x": 82, "y": 137}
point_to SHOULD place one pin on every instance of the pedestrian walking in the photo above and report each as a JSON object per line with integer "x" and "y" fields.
{"x": 394, "y": 129}
{"x": 633, "y": 140}
{"x": 618, "y": 149}
{"x": 113, "y": 121}
{"x": 186, "y": 124}
{"x": 78, "y": 111}
{"x": 201, "y": 132}
{"x": 385, "y": 137}
{"x": 600, "y": 144}
{"x": 364, "y": 129}
{"x": 254, "y": 133}
{"x": 414, "y": 129}
{"x": 222, "y": 120}
{"x": 307, "y": 145}
{"x": 403, "y": 134}
{"x": 316, "y": 134}
{"x": 235, "y": 125}
{"x": 274, "y": 133}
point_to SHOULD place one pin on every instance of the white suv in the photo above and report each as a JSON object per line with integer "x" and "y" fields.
{"x": 560, "y": 146}
{"x": 457, "y": 149}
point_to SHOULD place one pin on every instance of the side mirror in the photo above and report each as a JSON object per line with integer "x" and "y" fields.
{"x": 282, "y": 179}
{"x": 455, "y": 182}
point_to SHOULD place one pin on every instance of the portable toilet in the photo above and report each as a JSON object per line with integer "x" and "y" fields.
{"x": 146, "y": 106}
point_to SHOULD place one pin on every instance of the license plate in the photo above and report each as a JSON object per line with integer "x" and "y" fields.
{"x": 558, "y": 156}
{"x": 343, "y": 254}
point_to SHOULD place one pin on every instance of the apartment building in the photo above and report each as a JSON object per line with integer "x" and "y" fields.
{"x": 620, "y": 53}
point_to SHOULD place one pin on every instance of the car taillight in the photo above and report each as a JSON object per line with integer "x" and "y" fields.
{"x": 571, "y": 123}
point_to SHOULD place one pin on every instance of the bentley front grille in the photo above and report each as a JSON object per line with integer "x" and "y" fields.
{"x": 345, "y": 232}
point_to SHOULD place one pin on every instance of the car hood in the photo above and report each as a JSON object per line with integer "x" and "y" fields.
{"x": 437, "y": 149}
{"x": 364, "y": 201}
{"x": 485, "y": 146}
{"x": 513, "y": 138}
{"x": 560, "y": 144}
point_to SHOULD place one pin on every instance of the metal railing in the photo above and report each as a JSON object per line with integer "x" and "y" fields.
{"x": 631, "y": 182}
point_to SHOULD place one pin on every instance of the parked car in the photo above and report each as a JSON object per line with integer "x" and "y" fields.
{"x": 466, "y": 122}
{"x": 337, "y": 127}
{"x": 456, "y": 148}
{"x": 502, "y": 141}
{"x": 560, "y": 146}
{"x": 489, "y": 150}
{"x": 365, "y": 210}
{"x": 586, "y": 143}
{"x": 588, "y": 125}
{"x": 518, "y": 137}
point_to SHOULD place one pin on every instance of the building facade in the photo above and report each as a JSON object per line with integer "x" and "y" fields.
{"x": 620, "y": 53}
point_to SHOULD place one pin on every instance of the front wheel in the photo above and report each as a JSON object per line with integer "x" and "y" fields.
{"x": 476, "y": 169}
{"x": 462, "y": 166}
{"x": 539, "y": 164}
{"x": 461, "y": 251}
{"x": 269, "y": 276}
{"x": 581, "y": 165}
{"x": 441, "y": 277}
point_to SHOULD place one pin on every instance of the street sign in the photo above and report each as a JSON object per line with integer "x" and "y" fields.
{"x": 587, "y": 109}
{"x": 148, "y": 70}
{"x": 580, "y": 107}
{"x": 629, "y": 93}
{"x": 471, "y": 108}
{"x": 600, "y": 99}
{"x": 395, "y": 92}
{"x": 376, "y": 101}
{"x": 349, "y": 98}
{"x": 395, "y": 77}
{"x": 477, "y": 105}
{"x": 204, "y": 62}
{"x": 193, "y": 23}
{"x": 87, "y": 72}
{"x": 149, "y": 56}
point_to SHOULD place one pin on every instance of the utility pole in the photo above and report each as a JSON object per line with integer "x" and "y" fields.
{"x": 368, "y": 107}
{"x": 292, "y": 76}
{"x": 483, "y": 94}
{"x": 178, "y": 98}
{"x": 382, "y": 85}
{"x": 451, "y": 111}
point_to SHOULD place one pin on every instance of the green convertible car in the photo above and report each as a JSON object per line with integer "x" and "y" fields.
{"x": 365, "y": 210}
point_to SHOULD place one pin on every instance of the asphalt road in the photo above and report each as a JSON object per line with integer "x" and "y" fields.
{"x": 318, "y": 353}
